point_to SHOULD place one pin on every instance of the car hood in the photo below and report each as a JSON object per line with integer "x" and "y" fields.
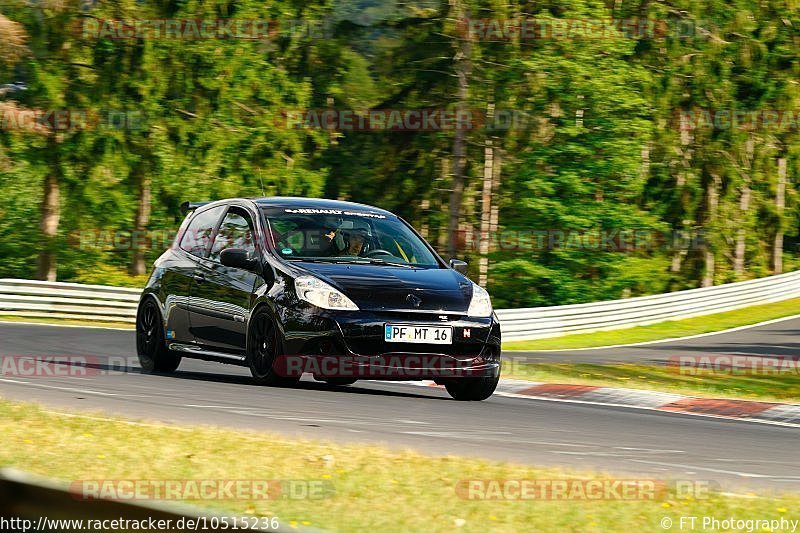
{"x": 387, "y": 288}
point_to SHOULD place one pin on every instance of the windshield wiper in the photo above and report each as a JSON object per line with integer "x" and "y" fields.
{"x": 354, "y": 260}
{"x": 378, "y": 261}
{"x": 317, "y": 260}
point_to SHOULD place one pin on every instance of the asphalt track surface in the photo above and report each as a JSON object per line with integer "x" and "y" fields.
{"x": 623, "y": 441}
{"x": 776, "y": 339}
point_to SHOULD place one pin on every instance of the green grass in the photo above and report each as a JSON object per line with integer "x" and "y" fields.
{"x": 66, "y": 322}
{"x": 109, "y": 275}
{"x": 780, "y": 386}
{"x": 664, "y": 330}
{"x": 376, "y": 489}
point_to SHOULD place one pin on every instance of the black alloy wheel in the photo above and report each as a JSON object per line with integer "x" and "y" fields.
{"x": 154, "y": 356}
{"x": 263, "y": 348}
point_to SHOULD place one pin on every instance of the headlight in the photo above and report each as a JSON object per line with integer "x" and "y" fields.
{"x": 319, "y": 293}
{"x": 481, "y": 304}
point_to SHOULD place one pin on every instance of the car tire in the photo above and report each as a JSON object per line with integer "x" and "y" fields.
{"x": 340, "y": 382}
{"x": 151, "y": 345}
{"x": 263, "y": 347}
{"x": 471, "y": 389}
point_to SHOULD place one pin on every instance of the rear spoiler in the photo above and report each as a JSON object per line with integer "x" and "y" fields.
{"x": 186, "y": 207}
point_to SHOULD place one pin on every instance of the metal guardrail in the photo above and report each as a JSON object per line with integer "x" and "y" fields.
{"x": 41, "y": 299}
{"x": 541, "y": 322}
{"x": 44, "y": 299}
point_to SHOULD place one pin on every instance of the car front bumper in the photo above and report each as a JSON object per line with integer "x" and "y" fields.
{"x": 352, "y": 345}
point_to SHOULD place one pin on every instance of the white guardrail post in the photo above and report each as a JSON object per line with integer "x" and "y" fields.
{"x": 41, "y": 299}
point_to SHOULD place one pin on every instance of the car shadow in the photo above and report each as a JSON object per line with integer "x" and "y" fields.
{"x": 301, "y": 385}
{"x": 244, "y": 380}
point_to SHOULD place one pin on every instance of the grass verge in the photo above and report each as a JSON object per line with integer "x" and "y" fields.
{"x": 375, "y": 488}
{"x": 780, "y": 386}
{"x": 66, "y": 322}
{"x": 664, "y": 330}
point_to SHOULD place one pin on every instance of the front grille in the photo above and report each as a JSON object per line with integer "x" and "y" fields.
{"x": 369, "y": 340}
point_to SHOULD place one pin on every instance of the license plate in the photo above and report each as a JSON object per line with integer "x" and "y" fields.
{"x": 418, "y": 334}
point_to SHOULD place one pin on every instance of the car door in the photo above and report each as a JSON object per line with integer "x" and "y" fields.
{"x": 179, "y": 271}
{"x": 221, "y": 296}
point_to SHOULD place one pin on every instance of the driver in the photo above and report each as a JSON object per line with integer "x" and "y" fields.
{"x": 355, "y": 242}
{"x": 345, "y": 242}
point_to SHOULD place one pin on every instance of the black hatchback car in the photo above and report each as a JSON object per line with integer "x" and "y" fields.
{"x": 340, "y": 290}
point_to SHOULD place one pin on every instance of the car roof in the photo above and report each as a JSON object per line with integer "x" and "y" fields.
{"x": 292, "y": 202}
{"x": 315, "y": 203}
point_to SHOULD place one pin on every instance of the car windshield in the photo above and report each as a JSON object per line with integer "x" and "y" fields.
{"x": 354, "y": 236}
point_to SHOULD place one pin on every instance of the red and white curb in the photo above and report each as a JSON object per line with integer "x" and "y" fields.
{"x": 752, "y": 411}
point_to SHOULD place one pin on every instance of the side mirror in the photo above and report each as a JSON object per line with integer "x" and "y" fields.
{"x": 238, "y": 258}
{"x": 459, "y": 266}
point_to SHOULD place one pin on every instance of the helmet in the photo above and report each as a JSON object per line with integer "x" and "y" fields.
{"x": 356, "y": 237}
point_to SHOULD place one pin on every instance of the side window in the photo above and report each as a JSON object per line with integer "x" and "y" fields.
{"x": 201, "y": 228}
{"x": 296, "y": 240}
{"x": 236, "y": 231}
{"x": 289, "y": 238}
